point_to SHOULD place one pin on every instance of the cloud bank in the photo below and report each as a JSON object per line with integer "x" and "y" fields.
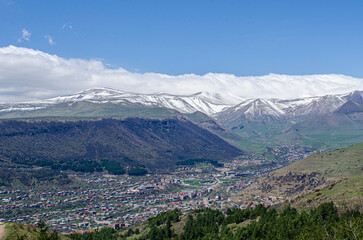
{"x": 28, "y": 74}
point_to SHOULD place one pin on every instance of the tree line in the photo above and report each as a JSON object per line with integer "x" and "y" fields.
{"x": 85, "y": 165}
{"x": 193, "y": 161}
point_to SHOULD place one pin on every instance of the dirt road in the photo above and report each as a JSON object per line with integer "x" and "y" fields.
{"x": 2, "y": 230}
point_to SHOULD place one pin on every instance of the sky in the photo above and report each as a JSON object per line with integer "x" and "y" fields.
{"x": 146, "y": 46}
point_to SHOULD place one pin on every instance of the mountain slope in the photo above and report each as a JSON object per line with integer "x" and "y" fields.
{"x": 152, "y": 143}
{"x": 319, "y": 122}
{"x": 337, "y": 176}
{"x": 212, "y": 125}
{"x": 259, "y": 110}
{"x": 341, "y": 127}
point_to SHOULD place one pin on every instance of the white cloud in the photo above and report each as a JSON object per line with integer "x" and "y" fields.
{"x": 27, "y": 74}
{"x": 65, "y": 26}
{"x": 25, "y": 35}
{"x": 50, "y": 39}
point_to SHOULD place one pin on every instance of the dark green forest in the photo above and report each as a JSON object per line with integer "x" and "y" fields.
{"x": 137, "y": 171}
{"x": 193, "y": 161}
{"x": 77, "y": 165}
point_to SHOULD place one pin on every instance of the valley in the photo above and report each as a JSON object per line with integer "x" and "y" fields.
{"x": 107, "y": 158}
{"x": 181, "y": 120}
{"x": 126, "y": 203}
{"x": 97, "y": 200}
{"x": 94, "y": 200}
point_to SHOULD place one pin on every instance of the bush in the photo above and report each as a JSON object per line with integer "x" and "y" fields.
{"x": 137, "y": 171}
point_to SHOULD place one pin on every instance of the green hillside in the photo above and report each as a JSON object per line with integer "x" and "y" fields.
{"x": 17, "y": 178}
{"x": 256, "y": 137}
{"x": 334, "y": 130}
{"x": 343, "y": 166}
{"x": 345, "y": 162}
{"x": 212, "y": 125}
{"x": 332, "y": 176}
{"x": 16, "y": 231}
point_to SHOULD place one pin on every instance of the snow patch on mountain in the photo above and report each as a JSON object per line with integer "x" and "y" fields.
{"x": 285, "y": 110}
{"x": 221, "y": 106}
{"x": 205, "y": 102}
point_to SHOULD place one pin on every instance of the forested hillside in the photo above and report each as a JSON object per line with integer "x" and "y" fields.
{"x": 152, "y": 143}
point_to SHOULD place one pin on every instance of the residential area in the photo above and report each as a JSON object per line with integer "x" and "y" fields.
{"x": 117, "y": 201}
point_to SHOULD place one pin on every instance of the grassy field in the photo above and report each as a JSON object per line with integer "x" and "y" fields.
{"x": 257, "y": 136}
{"x": 15, "y": 231}
{"x": 193, "y": 183}
{"x": 338, "y": 138}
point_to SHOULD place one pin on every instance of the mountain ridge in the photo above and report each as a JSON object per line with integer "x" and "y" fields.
{"x": 202, "y": 101}
{"x": 259, "y": 122}
{"x": 283, "y": 110}
{"x": 212, "y": 104}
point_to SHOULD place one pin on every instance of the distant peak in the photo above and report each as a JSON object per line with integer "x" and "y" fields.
{"x": 96, "y": 89}
{"x": 356, "y": 96}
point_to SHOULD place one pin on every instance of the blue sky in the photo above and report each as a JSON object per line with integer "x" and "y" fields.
{"x": 176, "y": 37}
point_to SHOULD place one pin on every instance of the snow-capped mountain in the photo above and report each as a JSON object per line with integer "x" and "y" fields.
{"x": 220, "y": 106}
{"x": 268, "y": 110}
{"x": 255, "y": 109}
{"x": 205, "y": 102}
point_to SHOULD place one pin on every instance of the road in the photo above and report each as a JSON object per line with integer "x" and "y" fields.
{"x": 2, "y": 230}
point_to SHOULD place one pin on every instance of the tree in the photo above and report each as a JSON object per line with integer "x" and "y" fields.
{"x": 45, "y": 234}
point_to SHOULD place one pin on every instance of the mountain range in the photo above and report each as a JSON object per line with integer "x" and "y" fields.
{"x": 213, "y": 104}
{"x": 330, "y": 120}
{"x": 203, "y": 101}
{"x": 277, "y": 110}
{"x": 135, "y": 130}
